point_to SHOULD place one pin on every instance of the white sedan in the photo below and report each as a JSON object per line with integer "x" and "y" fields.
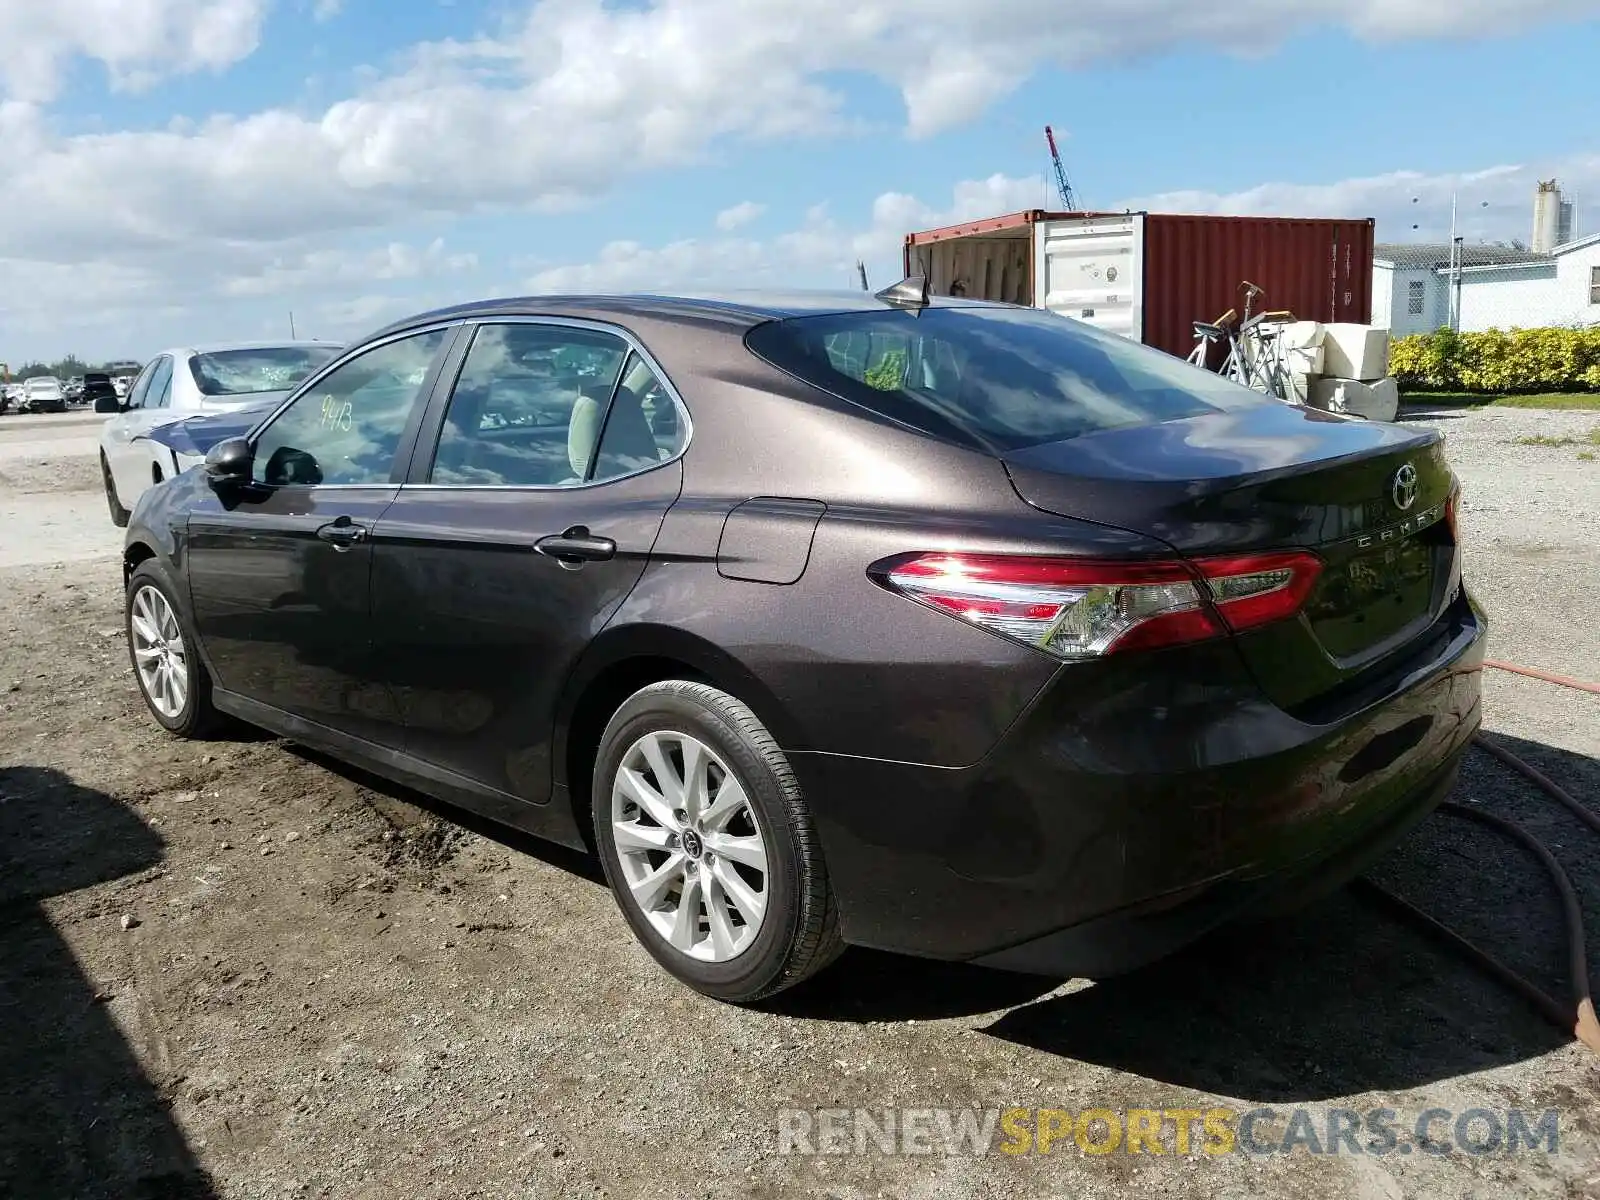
{"x": 185, "y": 383}
{"x": 43, "y": 394}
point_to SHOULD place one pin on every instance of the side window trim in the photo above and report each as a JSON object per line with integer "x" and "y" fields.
{"x": 408, "y": 433}
{"x": 611, "y": 403}
{"x": 164, "y": 398}
{"x": 162, "y": 362}
{"x": 428, "y": 436}
{"x": 141, "y": 384}
{"x": 426, "y": 446}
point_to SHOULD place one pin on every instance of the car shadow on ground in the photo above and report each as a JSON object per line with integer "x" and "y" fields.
{"x": 1339, "y": 998}
{"x": 78, "y": 1115}
{"x": 580, "y": 863}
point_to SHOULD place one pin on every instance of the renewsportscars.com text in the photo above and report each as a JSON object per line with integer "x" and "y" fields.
{"x": 1198, "y": 1131}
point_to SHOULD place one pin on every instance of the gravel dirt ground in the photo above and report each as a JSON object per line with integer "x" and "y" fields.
{"x": 234, "y": 969}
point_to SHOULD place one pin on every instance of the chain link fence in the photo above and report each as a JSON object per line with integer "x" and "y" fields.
{"x": 1423, "y": 287}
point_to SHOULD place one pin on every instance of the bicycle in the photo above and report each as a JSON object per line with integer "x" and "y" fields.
{"x": 1256, "y": 359}
{"x": 1261, "y": 352}
{"x": 1206, "y": 333}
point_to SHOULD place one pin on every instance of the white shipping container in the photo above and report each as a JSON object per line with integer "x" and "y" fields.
{"x": 1088, "y": 268}
{"x": 1092, "y": 269}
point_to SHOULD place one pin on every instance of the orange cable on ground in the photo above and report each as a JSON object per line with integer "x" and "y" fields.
{"x": 1534, "y": 673}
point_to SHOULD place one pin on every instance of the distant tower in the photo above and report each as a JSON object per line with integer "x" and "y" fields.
{"x": 1564, "y": 230}
{"x": 1552, "y": 217}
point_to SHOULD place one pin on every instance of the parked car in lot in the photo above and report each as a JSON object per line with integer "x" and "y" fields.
{"x": 95, "y": 388}
{"x": 43, "y": 394}
{"x": 948, "y": 628}
{"x": 184, "y": 382}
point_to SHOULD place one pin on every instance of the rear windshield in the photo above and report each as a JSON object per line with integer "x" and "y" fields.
{"x": 259, "y": 369}
{"x": 1003, "y": 378}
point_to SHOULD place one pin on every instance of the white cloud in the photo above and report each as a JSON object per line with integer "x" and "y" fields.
{"x": 1494, "y": 203}
{"x": 556, "y": 105}
{"x": 820, "y": 251}
{"x": 136, "y": 42}
{"x": 326, "y": 10}
{"x": 739, "y": 215}
{"x": 333, "y": 269}
{"x": 554, "y": 109}
{"x": 137, "y": 308}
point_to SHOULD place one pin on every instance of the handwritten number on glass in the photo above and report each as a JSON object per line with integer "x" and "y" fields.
{"x": 336, "y": 414}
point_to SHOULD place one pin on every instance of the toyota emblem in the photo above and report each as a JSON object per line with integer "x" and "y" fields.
{"x": 1403, "y": 488}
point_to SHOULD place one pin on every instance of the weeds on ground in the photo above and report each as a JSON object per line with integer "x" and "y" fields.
{"x": 1592, "y": 438}
{"x": 1556, "y": 400}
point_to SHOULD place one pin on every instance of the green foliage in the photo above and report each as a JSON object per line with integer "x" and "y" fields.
{"x": 888, "y": 373}
{"x": 1499, "y": 361}
{"x": 63, "y": 369}
{"x": 1592, "y": 438}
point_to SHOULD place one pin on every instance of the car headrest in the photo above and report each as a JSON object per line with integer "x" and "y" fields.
{"x": 583, "y": 428}
{"x": 629, "y": 444}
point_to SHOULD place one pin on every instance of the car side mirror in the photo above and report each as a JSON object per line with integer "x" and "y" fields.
{"x": 107, "y": 404}
{"x": 229, "y": 462}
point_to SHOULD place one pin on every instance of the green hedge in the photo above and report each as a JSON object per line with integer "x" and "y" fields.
{"x": 1498, "y": 361}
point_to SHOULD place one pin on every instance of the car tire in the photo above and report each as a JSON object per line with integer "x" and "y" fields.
{"x": 733, "y": 943}
{"x": 178, "y": 692}
{"x": 119, "y": 515}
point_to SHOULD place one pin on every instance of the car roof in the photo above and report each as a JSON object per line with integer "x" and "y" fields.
{"x": 263, "y": 344}
{"x": 747, "y": 308}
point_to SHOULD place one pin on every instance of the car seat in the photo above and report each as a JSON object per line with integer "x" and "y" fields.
{"x": 629, "y": 444}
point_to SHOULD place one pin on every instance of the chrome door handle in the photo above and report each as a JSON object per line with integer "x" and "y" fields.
{"x": 342, "y": 533}
{"x": 576, "y": 546}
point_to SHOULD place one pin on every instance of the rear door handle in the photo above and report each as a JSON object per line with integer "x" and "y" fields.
{"x": 342, "y": 533}
{"x": 576, "y": 546}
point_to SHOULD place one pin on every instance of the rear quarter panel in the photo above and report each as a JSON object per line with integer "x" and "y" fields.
{"x": 845, "y": 666}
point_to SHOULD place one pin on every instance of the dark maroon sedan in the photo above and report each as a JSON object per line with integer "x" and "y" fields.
{"x": 948, "y": 628}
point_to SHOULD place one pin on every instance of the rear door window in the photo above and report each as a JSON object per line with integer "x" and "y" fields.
{"x": 141, "y": 386}
{"x": 997, "y": 378}
{"x": 547, "y": 405}
{"x": 159, "y": 392}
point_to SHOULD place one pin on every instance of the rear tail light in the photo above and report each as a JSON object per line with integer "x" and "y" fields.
{"x": 1452, "y": 514}
{"x": 1077, "y": 608}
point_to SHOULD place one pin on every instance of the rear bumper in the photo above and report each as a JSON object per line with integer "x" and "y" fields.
{"x": 1133, "y": 937}
{"x": 1135, "y": 807}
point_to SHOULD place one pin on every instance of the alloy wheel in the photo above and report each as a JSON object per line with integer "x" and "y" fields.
{"x": 691, "y": 849}
{"x": 159, "y": 653}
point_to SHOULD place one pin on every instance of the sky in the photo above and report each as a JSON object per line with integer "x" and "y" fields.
{"x": 183, "y": 171}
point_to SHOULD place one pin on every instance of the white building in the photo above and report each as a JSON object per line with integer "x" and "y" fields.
{"x": 1500, "y": 288}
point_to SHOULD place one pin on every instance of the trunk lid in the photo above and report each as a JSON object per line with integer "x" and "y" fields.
{"x": 191, "y": 437}
{"x": 251, "y": 400}
{"x": 1369, "y": 498}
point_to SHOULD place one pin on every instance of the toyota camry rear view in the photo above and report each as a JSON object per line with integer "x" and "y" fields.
{"x": 951, "y": 628}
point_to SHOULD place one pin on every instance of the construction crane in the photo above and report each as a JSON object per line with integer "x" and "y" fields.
{"x": 1069, "y": 202}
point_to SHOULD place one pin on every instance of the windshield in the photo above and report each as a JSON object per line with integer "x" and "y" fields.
{"x": 259, "y": 369}
{"x": 43, "y": 383}
{"x": 1000, "y": 378}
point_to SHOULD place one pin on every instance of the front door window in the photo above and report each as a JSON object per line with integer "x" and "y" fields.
{"x": 346, "y": 428}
